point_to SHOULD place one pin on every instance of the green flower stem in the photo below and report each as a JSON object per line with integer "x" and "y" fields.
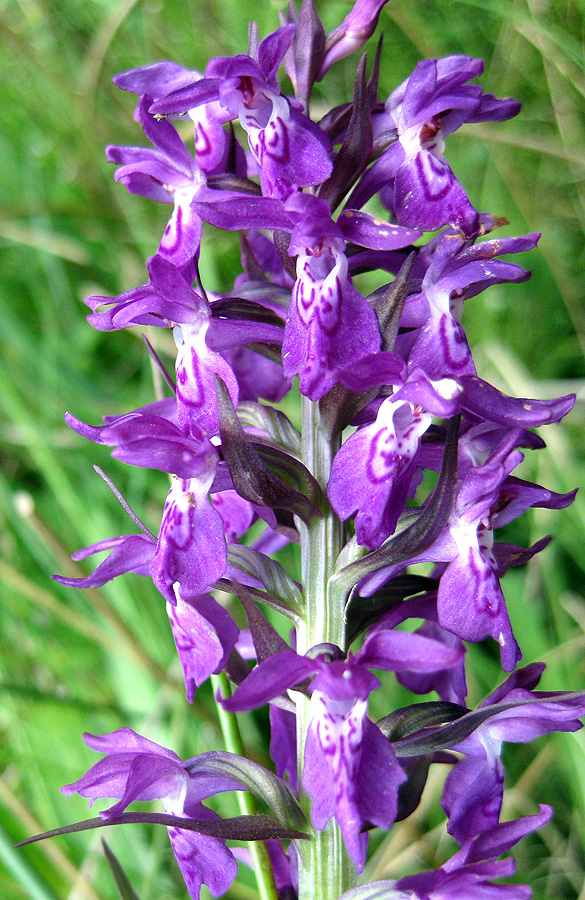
{"x": 325, "y": 868}
{"x": 233, "y": 742}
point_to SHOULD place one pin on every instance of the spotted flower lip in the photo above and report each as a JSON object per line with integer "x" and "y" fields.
{"x": 329, "y": 323}
{"x": 413, "y": 175}
{"x": 373, "y": 471}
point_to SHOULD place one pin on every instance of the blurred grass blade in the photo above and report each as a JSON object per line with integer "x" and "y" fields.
{"x": 126, "y": 890}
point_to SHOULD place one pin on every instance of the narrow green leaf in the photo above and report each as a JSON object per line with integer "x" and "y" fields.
{"x": 126, "y": 890}
{"x": 252, "y": 477}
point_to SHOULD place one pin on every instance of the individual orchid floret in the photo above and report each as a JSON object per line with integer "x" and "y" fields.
{"x": 469, "y": 874}
{"x": 350, "y": 770}
{"x": 168, "y": 173}
{"x": 417, "y": 180}
{"x": 470, "y": 601}
{"x": 373, "y": 470}
{"x": 191, "y": 553}
{"x": 290, "y": 151}
{"x": 152, "y": 442}
{"x": 330, "y": 324}
{"x": 204, "y": 634}
{"x": 473, "y": 792}
{"x": 135, "y": 768}
{"x": 456, "y": 273}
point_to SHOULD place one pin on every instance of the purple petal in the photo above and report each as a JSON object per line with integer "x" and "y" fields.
{"x": 367, "y": 231}
{"x": 205, "y": 635}
{"x": 427, "y": 195}
{"x": 191, "y": 549}
{"x": 400, "y": 651}
{"x": 133, "y": 553}
{"x": 482, "y": 400}
{"x": 270, "y": 678}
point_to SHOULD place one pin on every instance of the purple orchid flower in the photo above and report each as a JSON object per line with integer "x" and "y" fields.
{"x": 418, "y": 182}
{"x": 169, "y": 174}
{"x": 350, "y": 770}
{"x": 373, "y": 470}
{"x": 290, "y": 151}
{"x": 135, "y": 768}
{"x": 468, "y": 875}
{"x": 212, "y": 145}
{"x": 473, "y": 792}
{"x": 456, "y": 273}
{"x": 470, "y": 599}
{"x": 169, "y": 296}
{"x": 329, "y": 323}
{"x": 189, "y": 555}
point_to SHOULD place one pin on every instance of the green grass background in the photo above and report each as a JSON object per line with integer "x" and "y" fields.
{"x": 96, "y": 660}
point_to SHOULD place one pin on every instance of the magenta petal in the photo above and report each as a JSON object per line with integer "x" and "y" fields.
{"x": 427, "y": 195}
{"x": 471, "y": 605}
{"x": 127, "y": 740}
{"x": 283, "y": 743}
{"x": 380, "y": 775}
{"x": 133, "y": 553}
{"x": 400, "y": 651}
{"x": 203, "y": 860}
{"x": 269, "y": 679}
{"x": 205, "y": 634}
{"x": 149, "y": 777}
{"x": 182, "y": 237}
{"x": 472, "y": 797}
{"x": 191, "y": 551}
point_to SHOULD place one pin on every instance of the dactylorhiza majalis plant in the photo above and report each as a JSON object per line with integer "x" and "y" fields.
{"x": 389, "y": 392}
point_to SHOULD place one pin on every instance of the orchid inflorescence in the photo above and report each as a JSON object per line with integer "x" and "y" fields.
{"x": 389, "y": 392}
